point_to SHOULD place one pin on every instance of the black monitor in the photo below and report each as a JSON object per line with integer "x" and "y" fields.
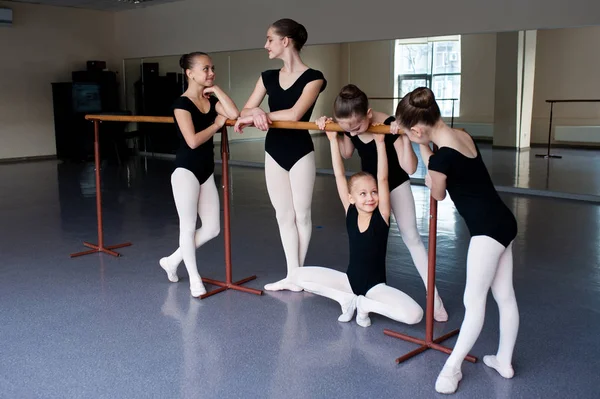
{"x": 86, "y": 98}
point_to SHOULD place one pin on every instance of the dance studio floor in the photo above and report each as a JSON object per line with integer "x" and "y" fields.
{"x": 104, "y": 327}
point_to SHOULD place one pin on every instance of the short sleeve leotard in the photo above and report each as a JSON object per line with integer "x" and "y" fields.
{"x": 368, "y": 250}
{"x": 287, "y": 146}
{"x": 368, "y": 157}
{"x": 474, "y": 195}
{"x": 201, "y": 160}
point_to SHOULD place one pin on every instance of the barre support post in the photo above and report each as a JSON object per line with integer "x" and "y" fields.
{"x": 100, "y": 246}
{"x": 548, "y": 155}
{"x": 228, "y": 283}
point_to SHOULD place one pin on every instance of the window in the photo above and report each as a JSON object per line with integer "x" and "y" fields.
{"x": 433, "y": 62}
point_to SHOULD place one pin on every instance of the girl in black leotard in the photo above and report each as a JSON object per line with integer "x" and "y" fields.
{"x": 351, "y": 111}
{"x": 289, "y": 154}
{"x": 199, "y": 113}
{"x": 457, "y": 167}
{"x": 363, "y": 287}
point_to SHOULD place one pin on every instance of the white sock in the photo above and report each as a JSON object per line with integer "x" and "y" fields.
{"x": 505, "y": 371}
{"x": 171, "y": 271}
{"x": 197, "y": 288}
{"x": 447, "y": 381}
{"x": 348, "y": 311}
{"x": 362, "y": 318}
{"x": 439, "y": 312}
{"x": 285, "y": 284}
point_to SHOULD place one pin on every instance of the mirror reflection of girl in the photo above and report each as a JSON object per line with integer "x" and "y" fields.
{"x": 199, "y": 113}
{"x": 351, "y": 111}
{"x": 363, "y": 287}
{"x": 457, "y": 167}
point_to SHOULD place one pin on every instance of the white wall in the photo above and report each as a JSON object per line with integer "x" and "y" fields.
{"x": 43, "y": 45}
{"x": 478, "y": 74}
{"x": 183, "y": 26}
{"x": 567, "y": 67}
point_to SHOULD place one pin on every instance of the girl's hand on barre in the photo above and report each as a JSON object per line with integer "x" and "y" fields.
{"x": 331, "y": 135}
{"x": 394, "y": 128}
{"x": 322, "y": 121}
{"x": 379, "y": 137}
{"x": 260, "y": 119}
{"x": 241, "y": 123}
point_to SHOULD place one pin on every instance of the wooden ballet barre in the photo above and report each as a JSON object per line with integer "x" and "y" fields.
{"x": 332, "y": 127}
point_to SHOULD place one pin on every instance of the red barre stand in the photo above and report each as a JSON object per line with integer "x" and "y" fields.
{"x": 226, "y": 285}
{"x": 100, "y": 247}
{"x": 429, "y": 342}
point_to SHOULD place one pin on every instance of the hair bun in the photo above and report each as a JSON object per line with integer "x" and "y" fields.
{"x": 350, "y": 92}
{"x": 301, "y": 35}
{"x": 422, "y": 97}
{"x": 183, "y": 61}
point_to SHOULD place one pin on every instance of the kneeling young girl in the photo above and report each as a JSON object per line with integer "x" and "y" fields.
{"x": 363, "y": 287}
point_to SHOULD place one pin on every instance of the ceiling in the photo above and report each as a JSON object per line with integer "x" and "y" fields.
{"x": 104, "y": 5}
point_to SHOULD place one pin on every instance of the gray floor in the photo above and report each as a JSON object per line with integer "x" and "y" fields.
{"x": 104, "y": 327}
{"x": 576, "y": 173}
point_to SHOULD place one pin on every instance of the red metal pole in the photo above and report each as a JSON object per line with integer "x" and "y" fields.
{"x": 227, "y": 284}
{"x": 100, "y": 246}
{"x": 431, "y": 269}
{"x": 98, "y": 183}
{"x": 226, "y": 201}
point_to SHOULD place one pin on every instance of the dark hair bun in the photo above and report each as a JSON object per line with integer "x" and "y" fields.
{"x": 350, "y": 92}
{"x": 301, "y": 35}
{"x": 351, "y": 101}
{"x": 287, "y": 27}
{"x": 183, "y": 61}
{"x": 422, "y": 97}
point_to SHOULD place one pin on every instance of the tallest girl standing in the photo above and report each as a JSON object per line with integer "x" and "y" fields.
{"x": 289, "y": 154}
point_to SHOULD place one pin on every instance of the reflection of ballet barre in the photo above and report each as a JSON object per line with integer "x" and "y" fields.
{"x": 427, "y": 343}
{"x": 547, "y": 155}
{"x": 223, "y": 285}
{"x": 333, "y": 127}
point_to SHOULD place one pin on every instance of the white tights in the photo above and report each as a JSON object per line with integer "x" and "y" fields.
{"x": 403, "y": 207}
{"x": 291, "y": 196}
{"x": 192, "y": 200}
{"x": 489, "y": 264}
{"x": 381, "y": 299}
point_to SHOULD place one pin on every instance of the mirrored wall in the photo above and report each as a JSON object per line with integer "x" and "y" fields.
{"x": 493, "y": 85}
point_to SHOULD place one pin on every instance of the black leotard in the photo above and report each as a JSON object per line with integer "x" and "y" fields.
{"x": 287, "y": 146}
{"x": 368, "y": 157}
{"x": 367, "y": 251}
{"x": 472, "y": 191}
{"x": 201, "y": 160}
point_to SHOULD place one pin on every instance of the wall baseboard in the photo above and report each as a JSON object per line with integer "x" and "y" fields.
{"x": 37, "y": 158}
{"x": 577, "y": 134}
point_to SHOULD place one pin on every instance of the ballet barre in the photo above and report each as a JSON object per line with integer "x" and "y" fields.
{"x": 223, "y": 285}
{"x": 548, "y": 155}
{"x": 332, "y": 127}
